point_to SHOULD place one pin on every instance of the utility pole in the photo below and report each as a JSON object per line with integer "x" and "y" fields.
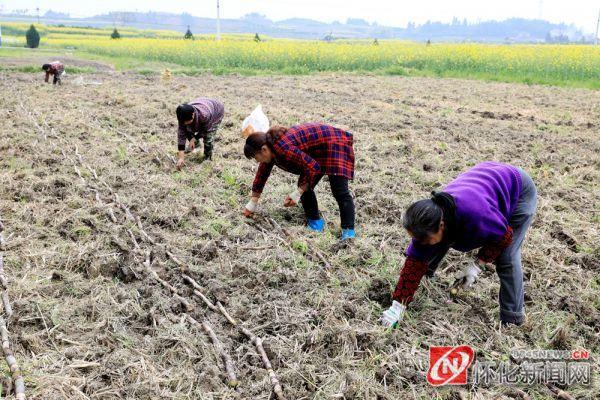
{"x": 38, "y": 14}
{"x": 1, "y": 12}
{"x": 218, "y": 21}
{"x": 597, "y": 25}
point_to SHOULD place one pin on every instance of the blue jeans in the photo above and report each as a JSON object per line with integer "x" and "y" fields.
{"x": 508, "y": 264}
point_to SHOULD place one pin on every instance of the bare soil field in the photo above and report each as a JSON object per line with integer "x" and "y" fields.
{"x": 104, "y": 239}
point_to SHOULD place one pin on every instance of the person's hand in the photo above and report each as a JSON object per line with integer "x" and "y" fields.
{"x": 251, "y": 207}
{"x": 179, "y": 164}
{"x": 393, "y": 314}
{"x": 292, "y": 199}
{"x": 288, "y": 202}
{"x": 469, "y": 274}
{"x": 193, "y": 144}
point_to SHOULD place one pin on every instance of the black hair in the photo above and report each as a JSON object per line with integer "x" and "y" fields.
{"x": 45, "y": 67}
{"x": 424, "y": 217}
{"x": 257, "y": 140}
{"x": 185, "y": 112}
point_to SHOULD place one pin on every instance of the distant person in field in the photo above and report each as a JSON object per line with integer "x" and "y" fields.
{"x": 56, "y": 69}
{"x": 311, "y": 151}
{"x": 489, "y": 207}
{"x": 198, "y": 119}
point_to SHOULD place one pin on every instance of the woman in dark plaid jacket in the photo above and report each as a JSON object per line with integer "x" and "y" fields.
{"x": 309, "y": 150}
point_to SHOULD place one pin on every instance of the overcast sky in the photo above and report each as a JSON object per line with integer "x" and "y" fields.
{"x": 582, "y": 13}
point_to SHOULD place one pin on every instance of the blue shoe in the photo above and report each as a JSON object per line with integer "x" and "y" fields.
{"x": 316, "y": 225}
{"x": 348, "y": 234}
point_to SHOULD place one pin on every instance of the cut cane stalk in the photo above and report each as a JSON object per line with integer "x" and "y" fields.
{"x": 227, "y": 361}
{"x": 11, "y": 361}
{"x": 4, "y": 282}
{"x": 257, "y": 341}
{"x": 165, "y": 284}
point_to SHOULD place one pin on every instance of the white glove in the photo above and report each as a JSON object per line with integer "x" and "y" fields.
{"x": 469, "y": 274}
{"x": 252, "y": 206}
{"x": 392, "y": 314}
{"x": 295, "y": 196}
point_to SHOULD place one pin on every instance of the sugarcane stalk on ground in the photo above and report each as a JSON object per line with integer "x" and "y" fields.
{"x": 4, "y": 283}
{"x": 257, "y": 341}
{"x": 165, "y": 284}
{"x": 11, "y": 361}
{"x": 227, "y": 361}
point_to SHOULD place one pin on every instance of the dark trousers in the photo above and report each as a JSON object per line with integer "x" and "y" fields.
{"x": 339, "y": 188}
{"x": 209, "y": 140}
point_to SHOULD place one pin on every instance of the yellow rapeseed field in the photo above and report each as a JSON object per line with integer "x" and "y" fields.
{"x": 553, "y": 64}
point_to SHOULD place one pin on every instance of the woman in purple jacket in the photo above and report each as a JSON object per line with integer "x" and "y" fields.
{"x": 489, "y": 207}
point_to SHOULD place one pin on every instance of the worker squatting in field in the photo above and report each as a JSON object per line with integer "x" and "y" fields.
{"x": 310, "y": 151}
{"x": 56, "y": 69}
{"x": 489, "y": 207}
{"x": 198, "y": 119}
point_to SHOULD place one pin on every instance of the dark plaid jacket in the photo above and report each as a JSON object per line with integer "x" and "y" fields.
{"x": 56, "y": 67}
{"x": 310, "y": 150}
{"x": 207, "y": 117}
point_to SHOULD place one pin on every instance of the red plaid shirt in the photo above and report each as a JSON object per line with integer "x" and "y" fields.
{"x": 310, "y": 150}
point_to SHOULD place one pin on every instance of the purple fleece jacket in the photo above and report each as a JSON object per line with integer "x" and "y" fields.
{"x": 485, "y": 196}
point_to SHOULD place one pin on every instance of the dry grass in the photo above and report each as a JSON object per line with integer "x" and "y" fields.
{"x": 90, "y": 322}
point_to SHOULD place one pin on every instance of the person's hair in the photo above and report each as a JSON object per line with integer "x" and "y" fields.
{"x": 257, "y": 140}
{"x": 45, "y": 67}
{"x": 424, "y": 217}
{"x": 185, "y": 112}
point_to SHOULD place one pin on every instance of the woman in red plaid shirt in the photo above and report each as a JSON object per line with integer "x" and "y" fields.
{"x": 309, "y": 150}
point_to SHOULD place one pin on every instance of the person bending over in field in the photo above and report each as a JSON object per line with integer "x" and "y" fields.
{"x": 56, "y": 69}
{"x": 309, "y": 150}
{"x": 198, "y": 119}
{"x": 489, "y": 207}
